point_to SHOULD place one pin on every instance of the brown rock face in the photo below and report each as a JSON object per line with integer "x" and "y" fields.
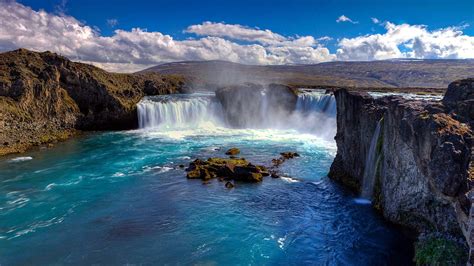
{"x": 459, "y": 100}
{"x": 45, "y": 97}
{"x": 424, "y": 151}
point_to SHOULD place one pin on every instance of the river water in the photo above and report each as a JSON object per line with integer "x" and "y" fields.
{"x": 121, "y": 197}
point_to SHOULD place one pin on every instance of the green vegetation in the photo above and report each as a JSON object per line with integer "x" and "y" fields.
{"x": 437, "y": 249}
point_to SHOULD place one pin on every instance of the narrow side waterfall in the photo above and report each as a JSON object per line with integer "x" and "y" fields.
{"x": 371, "y": 164}
{"x": 177, "y": 111}
{"x": 316, "y": 101}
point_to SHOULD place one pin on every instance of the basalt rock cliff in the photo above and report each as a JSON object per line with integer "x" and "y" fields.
{"x": 256, "y": 105}
{"x": 45, "y": 97}
{"x": 423, "y": 177}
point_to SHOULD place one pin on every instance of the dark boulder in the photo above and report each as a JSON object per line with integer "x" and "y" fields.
{"x": 459, "y": 100}
{"x": 229, "y": 185}
{"x": 232, "y": 151}
{"x": 289, "y": 155}
{"x": 237, "y": 169}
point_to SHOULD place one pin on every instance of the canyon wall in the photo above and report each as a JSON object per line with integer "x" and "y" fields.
{"x": 256, "y": 105}
{"x": 45, "y": 97}
{"x": 422, "y": 176}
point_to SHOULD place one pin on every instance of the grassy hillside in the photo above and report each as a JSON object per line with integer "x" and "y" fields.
{"x": 388, "y": 74}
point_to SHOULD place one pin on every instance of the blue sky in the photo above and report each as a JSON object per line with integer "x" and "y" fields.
{"x": 300, "y": 17}
{"x": 252, "y": 32}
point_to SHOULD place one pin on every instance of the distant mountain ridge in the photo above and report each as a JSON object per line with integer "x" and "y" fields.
{"x": 394, "y": 73}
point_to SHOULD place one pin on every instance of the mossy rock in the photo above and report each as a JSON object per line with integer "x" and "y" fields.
{"x": 237, "y": 169}
{"x": 232, "y": 151}
{"x": 440, "y": 250}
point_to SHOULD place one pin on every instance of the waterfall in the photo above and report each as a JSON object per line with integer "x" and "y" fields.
{"x": 177, "y": 111}
{"x": 371, "y": 163}
{"x": 314, "y": 113}
{"x": 316, "y": 101}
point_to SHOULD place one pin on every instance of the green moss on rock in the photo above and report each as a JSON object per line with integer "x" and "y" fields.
{"x": 237, "y": 169}
{"x": 439, "y": 250}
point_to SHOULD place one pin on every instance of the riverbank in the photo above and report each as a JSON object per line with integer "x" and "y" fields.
{"x": 46, "y": 98}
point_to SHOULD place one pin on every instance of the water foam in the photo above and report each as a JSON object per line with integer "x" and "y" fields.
{"x": 20, "y": 159}
{"x": 170, "y": 112}
{"x": 180, "y": 117}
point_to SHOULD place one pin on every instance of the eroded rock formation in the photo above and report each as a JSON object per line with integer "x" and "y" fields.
{"x": 422, "y": 177}
{"x": 255, "y": 105}
{"x": 45, "y": 97}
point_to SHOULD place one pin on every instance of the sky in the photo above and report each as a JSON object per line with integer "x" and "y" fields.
{"x": 127, "y": 36}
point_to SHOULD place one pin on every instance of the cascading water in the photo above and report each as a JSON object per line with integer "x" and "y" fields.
{"x": 178, "y": 111}
{"x": 314, "y": 113}
{"x": 371, "y": 164}
{"x": 316, "y": 101}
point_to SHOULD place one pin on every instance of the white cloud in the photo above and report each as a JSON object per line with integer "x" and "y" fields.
{"x": 112, "y": 22}
{"x": 20, "y": 26}
{"x": 236, "y": 32}
{"x": 124, "y": 50}
{"x": 408, "y": 41}
{"x": 375, "y": 20}
{"x": 343, "y": 18}
{"x": 324, "y": 39}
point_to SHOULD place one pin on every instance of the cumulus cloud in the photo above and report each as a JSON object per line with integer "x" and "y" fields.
{"x": 132, "y": 50}
{"x": 343, "y": 18}
{"x": 408, "y": 41}
{"x": 20, "y": 26}
{"x": 236, "y": 32}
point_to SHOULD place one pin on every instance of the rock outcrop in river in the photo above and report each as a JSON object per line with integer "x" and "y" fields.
{"x": 255, "y": 105}
{"x": 423, "y": 155}
{"x": 45, "y": 97}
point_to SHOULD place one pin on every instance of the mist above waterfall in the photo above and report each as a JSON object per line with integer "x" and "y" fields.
{"x": 307, "y": 111}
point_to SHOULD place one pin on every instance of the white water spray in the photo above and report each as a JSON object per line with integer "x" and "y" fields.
{"x": 177, "y": 111}
{"x": 316, "y": 101}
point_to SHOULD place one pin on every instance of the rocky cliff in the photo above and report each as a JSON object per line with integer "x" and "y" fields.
{"x": 45, "y": 97}
{"x": 255, "y": 105}
{"x": 422, "y": 174}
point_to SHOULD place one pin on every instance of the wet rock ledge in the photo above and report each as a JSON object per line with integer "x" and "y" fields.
{"x": 424, "y": 175}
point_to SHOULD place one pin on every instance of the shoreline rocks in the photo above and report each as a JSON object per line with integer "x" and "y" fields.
{"x": 45, "y": 98}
